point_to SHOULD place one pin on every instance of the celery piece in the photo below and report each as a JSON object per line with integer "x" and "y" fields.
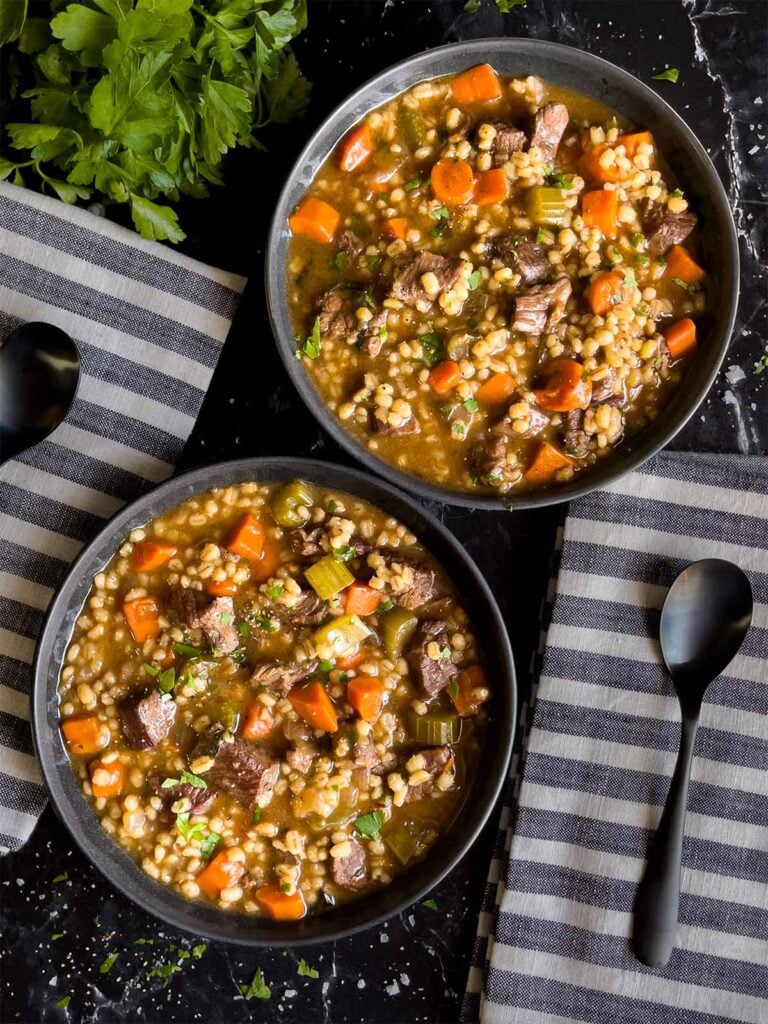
{"x": 406, "y": 839}
{"x": 341, "y": 634}
{"x": 412, "y": 125}
{"x": 288, "y": 501}
{"x": 548, "y": 205}
{"x": 328, "y": 577}
{"x": 397, "y": 628}
{"x": 436, "y": 728}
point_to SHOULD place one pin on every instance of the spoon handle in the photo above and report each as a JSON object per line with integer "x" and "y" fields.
{"x": 658, "y": 894}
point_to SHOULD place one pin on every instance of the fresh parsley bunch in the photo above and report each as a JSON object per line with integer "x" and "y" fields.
{"x": 137, "y": 100}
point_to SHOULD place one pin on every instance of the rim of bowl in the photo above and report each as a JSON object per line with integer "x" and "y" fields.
{"x": 720, "y": 232}
{"x": 108, "y": 856}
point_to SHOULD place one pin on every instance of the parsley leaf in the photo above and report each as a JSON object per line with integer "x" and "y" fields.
{"x": 63, "y": 1003}
{"x": 63, "y": 877}
{"x": 306, "y": 971}
{"x": 258, "y": 988}
{"x": 345, "y": 553}
{"x": 474, "y": 279}
{"x": 109, "y": 963}
{"x": 369, "y": 825}
{"x": 187, "y": 650}
{"x": 472, "y": 6}
{"x": 312, "y": 341}
{"x": 431, "y": 349}
{"x": 432, "y": 904}
{"x": 338, "y": 261}
{"x": 559, "y": 180}
{"x": 669, "y": 75}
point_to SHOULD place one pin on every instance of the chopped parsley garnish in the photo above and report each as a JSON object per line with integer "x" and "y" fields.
{"x": 473, "y": 6}
{"x": 386, "y": 605}
{"x": 63, "y": 877}
{"x": 447, "y": 411}
{"x": 643, "y": 309}
{"x": 208, "y": 840}
{"x": 352, "y": 737}
{"x": 761, "y": 365}
{"x": 189, "y": 778}
{"x": 693, "y": 287}
{"x": 373, "y": 261}
{"x": 311, "y": 347}
{"x": 331, "y": 506}
{"x": 325, "y": 666}
{"x": 108, "y": 964}
{"x": 166, "y": 680}
{"x": 63, "y": 1003}
{"x": 431, "y": 349}
{"x": 238, "y": 655}
{"x": 285, "y": 887}
{"x": 369, "y": 825}
{"x": 265, "y": 623}
{"x": 274, "y": 591}
{"x": 670, "y": 75}
{"x": 151, "y": 670}
{"x": 209, "y": 844}
{"x": 338, "y": 261}
{"x": 432, "y": 904}
{"x": 56, "y": 935}
{"x": 384, "y": 332}
{"x": 414, "y": 183}
{"x": 258, "y": 988}
{"x": 226, "y": 618}
{"x": 256, "y": 816}
{"x": 164, "y": 971}
{"x": 559, "y": 180}
{"x": 677, "y": 193}
{"x": 637, "y": 240}
{"x": 345, "y": 553}
{"x": 458, "y": 429}
{"x": 641, "y": 258}
{"x": 471, "y": 405}
{"x": 442, "y": 216}
{"x": 306, "y": 971}
{"x": 243, "y": 629}
{"x": 144, "y": 942}
{"x": 541, "y": 234}
{"x": 197, "y": 951}
{"x": 474, "y": 279}
{"x": 368, "y": 297}
{"x": 187, "y": 650}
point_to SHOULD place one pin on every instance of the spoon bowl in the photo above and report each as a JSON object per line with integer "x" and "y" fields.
{"x": 39, "y": 373}
{"x": 706, "y": 615}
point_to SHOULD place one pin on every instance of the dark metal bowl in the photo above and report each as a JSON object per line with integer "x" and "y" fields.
{"x": 599, "y": 80}
{"x": 202, "y": 919}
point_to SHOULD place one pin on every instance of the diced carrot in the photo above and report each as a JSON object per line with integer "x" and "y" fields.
{"x": 351, "y": 660}
{"x": 683, "y": 266}
{"x": 396, "y": 227}
{"x": 605, "y": 291}
{"x": 600, "y": 209}
{"x": 282, "y": 906}
{"x": 151, "y": 554}
{"x": 356, "y": 148}
{"x": 247, "y": 538}
{"x": 366, "y": 695}
{"x": 143, "y": 617}
{"x": 86, "y": 735}
{"x": 471, "y": 690}
{"x": 221, "y": 588}
{"x": 497, "y": 389}
{"x": 680, "y": 337}
{"x": 593, "y": 170}
{"x": 452, "y": 181}
{"x": 106, "y": 779}
{"x": 315, "y": 219}
{"x": 633, "y": 141}
{"x": 546, "y": 463}
{"x": 444, "y": 376}
{"x": 169, "y": 658}
{"x": 220, "y": 873}
{"x": 360, "y": 599}
{"x": 491, "y": 187}
{"x": 259, "y": 721}
{"x": 476, "y": 85}
{"x": 269, "y": 562}
{"x": 313, "y": 704}
{"x": 565, "y": 386}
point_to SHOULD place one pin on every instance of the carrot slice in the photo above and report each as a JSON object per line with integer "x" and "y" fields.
{"x": 351, "y": 660}
{"x": 605, "y": 291}
{"x": 565, "y": 387}
{"x": 491, "y": 187}
{"x": 497, "y": 389}
{"x": 366, "y": 695}
{"x": 313, "y": 704}
{"x": 593, "y": 170}
{"x": 683, "y": 266}
{"x": 680, "y": 337}
{"x": 86, "y": 735}
{"x": 106, "y": 779}
{"x": 151, "y": 554}
{"x": 247, "y": 538}
{"x": 269, "y": 562}
{"x": 360, "y": 599}
{"x": 221, "y": 588}
{"x": 444, "y": 376}
{"x": 476, "y": 85}
{"x": 396, "y": 227}
{"x": 220, "y": 873}
{"x": 143, "y": 617}
{"x": 259, "y": 721}
{"x": 633, "y": 141}
{"x": 471, "y": 690}
{"x": 282, "y": 906}
{"x": 600, "y": 209}
{"x": 315, "y": 219}
{"x": 452, "y": 181}
{"x": 356, "y": 148}
{"x": 547, "y": 462}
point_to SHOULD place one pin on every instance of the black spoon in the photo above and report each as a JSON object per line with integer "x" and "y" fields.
{"x": 39, "y": 371}
{"x": 705, "y": 618}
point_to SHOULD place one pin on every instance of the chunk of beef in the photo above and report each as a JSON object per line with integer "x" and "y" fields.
{"x": 304, "y": 749}
{"x": 371, "y": 336}
{"x": 603, "y": 388}
{"x": 350, "y": 244}
{"x": 200, "y": 800}
{"x": 411, "y": 426}
{"x": 663, "y": 228}
{"x": 577, "y": 440}
{"x": 309, "y": 610}
{"x": 361, "y": 546}
{"x": 146, "y": 719}
{"x": 489, "y": 454}
{"x": 336, "y": 311}
{"x": 436, "y": 609}
{"x": 421, "y": 585}
{"x": 364, "y": 754}
{"x": 244, "y": 771}
{"x": 351, "y": 871}
{"x": 436, "y": 761}
{"x": 282, "y": 676}
{"x": 407, "y": 286}
{"x": 549, "y": 124}
{"x": 217, "y": 621}
{"x": 305, "y": 541}
{"x": 527, "y": 258}
{"x": 507, "y": 140}
{"x": 432, "y": 674}
{"x": 542, "y": 308}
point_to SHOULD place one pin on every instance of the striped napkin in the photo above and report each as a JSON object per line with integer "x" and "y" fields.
{"x": 553, "y": 942}
{"x": 149, "y": 324}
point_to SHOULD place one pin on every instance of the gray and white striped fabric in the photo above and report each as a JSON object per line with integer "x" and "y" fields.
{"x": 553, "y": 940}
{"x": 149, "y": 324}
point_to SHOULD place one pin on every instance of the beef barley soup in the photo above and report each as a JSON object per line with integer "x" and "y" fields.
{"x": 273, "y": 698}
{"x": 494, "y": 282}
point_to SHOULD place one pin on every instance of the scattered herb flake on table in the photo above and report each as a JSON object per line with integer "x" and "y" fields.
{"x": 63, "y": 877}
{"x": 432, "y": 904}
{"x": 109, "y": 963}
{"x": 306, "y": 971}
{"x": 258, "y": 988}
{"x": 63, "y": 1003}
{"x": 668, "y": 75}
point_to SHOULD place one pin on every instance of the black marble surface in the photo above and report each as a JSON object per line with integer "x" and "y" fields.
{"x": 60, "y": 918}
